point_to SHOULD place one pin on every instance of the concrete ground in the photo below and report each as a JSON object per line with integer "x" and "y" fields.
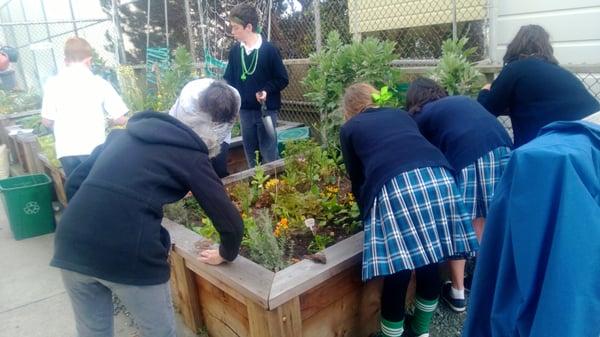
{"x": 33, "y": 302}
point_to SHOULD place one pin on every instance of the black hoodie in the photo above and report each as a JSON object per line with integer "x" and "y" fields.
{"x": 112, "y": 229}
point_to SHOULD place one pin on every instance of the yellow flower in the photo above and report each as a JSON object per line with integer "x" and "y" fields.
{"x": 351, "y": 197}
{"x": 271, "y": 183}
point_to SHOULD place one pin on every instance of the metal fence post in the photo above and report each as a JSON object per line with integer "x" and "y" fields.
{"x": 119, "y": 46}
{"x": 188, "y": 23}
{"x": 454, "y": 28}
{"x": 317, "y": 14}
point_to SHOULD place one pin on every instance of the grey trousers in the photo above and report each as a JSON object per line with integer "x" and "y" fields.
{"x": 91, "y": 298}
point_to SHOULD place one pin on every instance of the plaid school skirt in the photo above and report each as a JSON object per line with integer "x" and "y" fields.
{"x": 417, "y": 219}
{"x": 477, "y": 182}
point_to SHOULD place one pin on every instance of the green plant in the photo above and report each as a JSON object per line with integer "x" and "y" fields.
{"x": 139, "y": 97}
{"x": 263, "y": 246}
{"x": 207, "y": 230}
{"x": 102, "y": 69}
{"x": 18, "y": 101}
{"x": 337, "y": 66}
{"x": 320, "y": 242}
{"x": 391, "y": 96}
{"x": 455, "y": 72}
{"x": 170, "y": 82}
{"x": 133, "y": 89}
{"x": 47, "y": 148}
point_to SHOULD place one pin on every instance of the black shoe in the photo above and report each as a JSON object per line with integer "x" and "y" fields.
{"x": 457, "y": 305}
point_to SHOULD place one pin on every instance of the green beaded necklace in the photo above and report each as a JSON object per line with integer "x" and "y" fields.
{"x": 245, "y": 70}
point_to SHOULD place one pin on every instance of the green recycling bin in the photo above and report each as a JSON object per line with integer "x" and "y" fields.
{"x": 28, "y": 204}
{"x": 291, "y": 135}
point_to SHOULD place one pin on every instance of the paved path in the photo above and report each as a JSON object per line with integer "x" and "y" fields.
{"x": 33, "y": 302}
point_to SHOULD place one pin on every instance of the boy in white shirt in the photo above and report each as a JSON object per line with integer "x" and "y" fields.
{"x": 76, "y": 104}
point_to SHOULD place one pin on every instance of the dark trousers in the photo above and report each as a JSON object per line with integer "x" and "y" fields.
{"x": 70, "y": 163}
{"x": 393, "y": 296}
{"x": 256, "y": 138}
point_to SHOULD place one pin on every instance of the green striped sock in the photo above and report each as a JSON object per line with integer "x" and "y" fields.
{"x": 424, "y": 310}
{"x": 391, "y": 329}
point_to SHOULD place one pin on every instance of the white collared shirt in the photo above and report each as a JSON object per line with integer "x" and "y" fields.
{"x": 79, "y": 102}
{"x": 256, "y": 45}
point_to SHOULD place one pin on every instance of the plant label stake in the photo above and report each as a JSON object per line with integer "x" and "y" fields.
{"x": 267, "y": 121}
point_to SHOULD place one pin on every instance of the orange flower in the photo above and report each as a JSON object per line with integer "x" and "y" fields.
{"x": 281, "y": 227}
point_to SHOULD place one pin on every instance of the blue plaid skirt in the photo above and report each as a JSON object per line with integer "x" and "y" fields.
{"x": 417, "y": 219}
{"x": 477, "y": 182}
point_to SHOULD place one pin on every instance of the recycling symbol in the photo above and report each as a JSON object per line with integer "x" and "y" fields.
{"x": 31, "y": 208}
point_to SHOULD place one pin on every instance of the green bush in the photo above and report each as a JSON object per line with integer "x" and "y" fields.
{"x": 339, "y": 65}
{"x": 455, "y": 72}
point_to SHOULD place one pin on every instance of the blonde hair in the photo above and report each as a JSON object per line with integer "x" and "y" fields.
{"x": 357, "y": 98}
{"x": 77, "y": 50}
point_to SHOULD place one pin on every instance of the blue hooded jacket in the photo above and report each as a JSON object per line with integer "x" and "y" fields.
{"x": 538, "y": 270}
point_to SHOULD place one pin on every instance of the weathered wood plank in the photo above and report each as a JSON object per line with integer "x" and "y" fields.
{"x": 305, "y": 275}
{"x": 29, "y": 147}
{"x": 58, "y": 178}
{"x": 21, "y": 114}
{"x": 284, "y": 321}
{"x": 290, "y": 319}
{"x": 370, "y": 306}
{"x": 329, "y": 292}
{"x": 241, "y": 278}
{"x": 186, "y": 293}
{"x": 343, "y": 317}
{"x": 273, "y": 167}
{"x": 222, "y": 314}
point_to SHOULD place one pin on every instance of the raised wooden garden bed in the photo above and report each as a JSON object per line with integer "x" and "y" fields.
{"x": 243, "y": 298}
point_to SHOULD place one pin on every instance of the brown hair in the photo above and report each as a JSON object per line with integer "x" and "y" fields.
{"x": 244, "y": 14}
{"x": 77, "y": 50}
{"x": 220, "y": 101}
{"x": 530, "y": 41}
{"x": 357, "y": 98}
{"x": 422, "y": 91}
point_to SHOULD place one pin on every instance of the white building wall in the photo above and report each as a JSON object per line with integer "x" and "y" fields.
{"x": 573, "y": 25}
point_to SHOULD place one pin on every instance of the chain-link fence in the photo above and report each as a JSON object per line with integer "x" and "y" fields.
{"x": 39, "y": 29}
{"x": 300, "y": 27}
{"x": 297, "y": 27}
{"x": 296, "y": 108}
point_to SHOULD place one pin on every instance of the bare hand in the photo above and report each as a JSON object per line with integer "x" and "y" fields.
{"x": 211, "y": 256}
{"x": 487, "y": 86}
{"x": 261, "y": 96}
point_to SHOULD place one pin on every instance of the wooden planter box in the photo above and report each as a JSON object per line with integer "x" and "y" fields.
{"x": 243, "y": 298}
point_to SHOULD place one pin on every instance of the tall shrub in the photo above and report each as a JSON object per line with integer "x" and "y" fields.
{"x": 455, "y": 72}
{"x": 337, "y": 66}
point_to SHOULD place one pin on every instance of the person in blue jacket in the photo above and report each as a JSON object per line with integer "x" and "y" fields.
{"x": 533, "y": 90}
{"x": 256, "y": 70}
{"x": 478, "y": 148}
{"x": 538, "y": 273}
{"x": 411, "y": 210}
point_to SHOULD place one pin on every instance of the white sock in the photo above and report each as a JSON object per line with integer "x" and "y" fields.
{"x": 457, "y": 294}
